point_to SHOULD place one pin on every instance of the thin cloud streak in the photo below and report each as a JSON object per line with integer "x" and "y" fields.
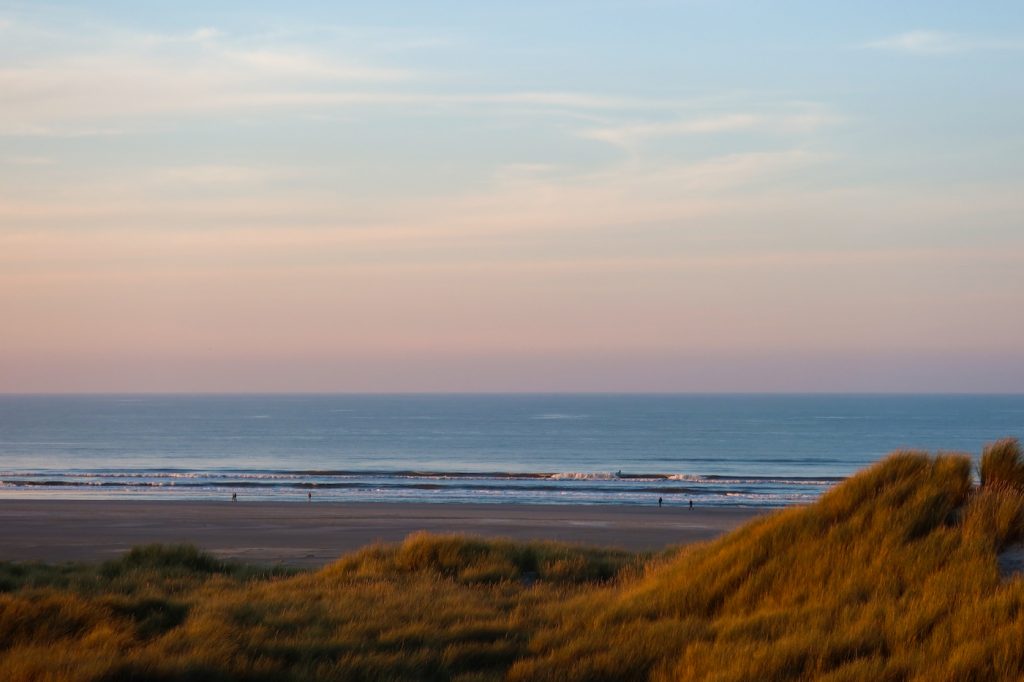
{"x": 119, "y": 76}
{"x": 808, "y": 120}
{"x": 624, "y": 194}
{"x": 928, "y": 42}
{"x": 120, "y": 82}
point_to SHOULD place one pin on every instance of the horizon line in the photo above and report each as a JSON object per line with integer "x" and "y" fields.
{"x": 6, "y": 394}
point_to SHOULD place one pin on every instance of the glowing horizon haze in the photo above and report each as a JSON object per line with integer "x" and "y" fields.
{"x": 533, "y": 196}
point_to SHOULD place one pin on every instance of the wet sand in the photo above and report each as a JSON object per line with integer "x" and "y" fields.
{"x": 310, "y": 534}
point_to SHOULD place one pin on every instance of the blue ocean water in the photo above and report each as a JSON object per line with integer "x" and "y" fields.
{"x": 750, "y": 450}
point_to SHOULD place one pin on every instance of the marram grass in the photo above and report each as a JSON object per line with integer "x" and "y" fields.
{"x": 892, "y": 575}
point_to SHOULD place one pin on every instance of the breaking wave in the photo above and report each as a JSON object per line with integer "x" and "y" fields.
{"x": 528, "y": 487}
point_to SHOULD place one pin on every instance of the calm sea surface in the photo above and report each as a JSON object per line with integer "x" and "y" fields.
{"x": 572, "y": 449}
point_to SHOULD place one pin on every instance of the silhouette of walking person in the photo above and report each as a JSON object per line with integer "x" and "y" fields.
{"x": 309, "y": 495}
{"x": 234, "y": 497}
{"x": 691, "y": 504}
{"x": 659, "y": 501}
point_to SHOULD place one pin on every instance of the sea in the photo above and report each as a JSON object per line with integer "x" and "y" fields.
{"x": 716, "y": 450}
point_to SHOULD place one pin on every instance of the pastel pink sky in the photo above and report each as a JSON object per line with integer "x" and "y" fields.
{"x": 223, "y": 208}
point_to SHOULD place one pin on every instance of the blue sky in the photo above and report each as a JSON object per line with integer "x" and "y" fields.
{"x": 683, "y": 196}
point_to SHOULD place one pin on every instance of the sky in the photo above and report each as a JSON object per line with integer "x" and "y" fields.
{"x": 610, "y": 195}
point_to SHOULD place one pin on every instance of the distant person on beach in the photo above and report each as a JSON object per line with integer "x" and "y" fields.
{"x": 691, "y": 504}
{"x": 659, "y": 501}
{"x": 310, "y": 496}
{"x": 234, "y": 497}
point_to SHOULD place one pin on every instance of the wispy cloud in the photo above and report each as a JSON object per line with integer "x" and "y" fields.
{"x": 928, "y": 42}
{"x": 628, "y": 135}
{"x": 111, "y": 76}
{"x": 522, "y": 199}
{"x": 206, "y": 33}
{"x": 625, "y": 135}
{"x": 112, "y": 81}
{"x": 115, "y": 80}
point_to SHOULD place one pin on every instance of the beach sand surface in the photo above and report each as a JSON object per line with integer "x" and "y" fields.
{"x": 311, "y": 534}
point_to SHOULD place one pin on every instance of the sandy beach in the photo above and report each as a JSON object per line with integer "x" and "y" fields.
{"x": 313, "y": 534}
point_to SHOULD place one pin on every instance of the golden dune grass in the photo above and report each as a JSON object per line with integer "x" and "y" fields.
{"x": 892, "y": 575}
